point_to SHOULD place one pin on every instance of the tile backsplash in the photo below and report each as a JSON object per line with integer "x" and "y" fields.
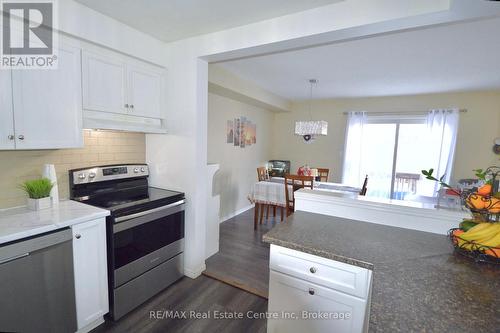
{"x": 100, "y": 148}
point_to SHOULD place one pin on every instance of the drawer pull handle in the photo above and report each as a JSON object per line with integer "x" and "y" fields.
{"x": 311, "y": 291}
{"x": 313, "y": 270}
{"x": 78, "y": 236}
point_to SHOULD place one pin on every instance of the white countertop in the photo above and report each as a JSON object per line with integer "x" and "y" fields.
{"x": 397, "y": 213}
{"x": 20, "y": 222}
{"x": 334, "y": 195}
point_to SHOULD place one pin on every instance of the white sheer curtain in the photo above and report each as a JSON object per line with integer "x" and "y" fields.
{"x": 351, "y": 173}
{"x": 442, "y": 128}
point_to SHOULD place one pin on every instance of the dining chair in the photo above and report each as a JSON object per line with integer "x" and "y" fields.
{"x": 323, "y": 174}
{"x": 365, "y": 186}
{"x": 262, "y": 174}
{"x": 297, "y": 182}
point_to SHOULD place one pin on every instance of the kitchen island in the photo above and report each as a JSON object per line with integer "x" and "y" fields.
{"x": 418, "y": 283}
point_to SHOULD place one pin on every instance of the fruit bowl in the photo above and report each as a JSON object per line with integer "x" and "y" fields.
{"x": 484, "y": 208}
{"x": 485, "y": 215}
{"x": 474, "y": 250}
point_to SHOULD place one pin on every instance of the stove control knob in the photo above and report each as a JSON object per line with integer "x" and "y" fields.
{"x": 81, "y": 176}
{"x": 143, "y": 169}
{"x": 92, "y": 175}
{"x": 136, "y": 170}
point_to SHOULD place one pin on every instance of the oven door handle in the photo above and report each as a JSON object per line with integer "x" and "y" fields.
{"x": 124, "y": 222}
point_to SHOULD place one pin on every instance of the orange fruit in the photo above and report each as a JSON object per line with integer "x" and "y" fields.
{"x": 476, "y": 201}
{"x": 485, "y": 190}
{"x": 457, "y": 232}
{"x": 494, "y": 206}
{"x": 493, "y": 252}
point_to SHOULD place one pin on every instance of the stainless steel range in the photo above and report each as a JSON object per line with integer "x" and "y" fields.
{"x": 145, "y": 231}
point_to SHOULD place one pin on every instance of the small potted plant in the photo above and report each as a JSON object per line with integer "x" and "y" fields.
{"x": 38, "y": 191}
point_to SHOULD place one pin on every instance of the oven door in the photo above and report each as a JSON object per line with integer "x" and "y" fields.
{"x": 146, "y": 239}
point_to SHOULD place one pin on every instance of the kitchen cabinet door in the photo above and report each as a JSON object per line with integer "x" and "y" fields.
{"x": 91, "y": 276}
{"x": 145, "y": 90}
{"x": 48, "y": 104}
{"x": 290, "y": 296}
{"x": 6, "y": 113}
{"x": 104, "y": 82}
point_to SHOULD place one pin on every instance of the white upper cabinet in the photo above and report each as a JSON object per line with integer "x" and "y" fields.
{"x": 145, "y": 87}
{"x": 48, "y": 104}
{"x": 121, "y": 92}
{"x": 104, "y": 83}
{"x": 6, "y": 114}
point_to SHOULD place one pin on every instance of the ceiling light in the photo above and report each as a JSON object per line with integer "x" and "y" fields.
{"x": 309, "y": 129}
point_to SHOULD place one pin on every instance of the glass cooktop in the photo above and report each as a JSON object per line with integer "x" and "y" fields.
{"x": 134, "y": 200}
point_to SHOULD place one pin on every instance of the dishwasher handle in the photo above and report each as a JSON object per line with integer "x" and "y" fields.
{"x": 22, "y": 248}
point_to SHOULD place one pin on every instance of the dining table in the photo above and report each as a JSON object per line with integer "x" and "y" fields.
{"x": 270, "y": 193}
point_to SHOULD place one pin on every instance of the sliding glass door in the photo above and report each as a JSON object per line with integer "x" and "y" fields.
{"x": 394, "y": 149}
{"x": 377, "y": 157}
{"x": 393, "y": 155}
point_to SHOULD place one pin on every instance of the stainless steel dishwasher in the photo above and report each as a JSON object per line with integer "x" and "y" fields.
{"x": 37, "y": 291}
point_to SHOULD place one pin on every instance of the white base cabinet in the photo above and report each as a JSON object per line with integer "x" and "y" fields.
{"x": 91, "y": 275}
{"x": 313, "y": 294}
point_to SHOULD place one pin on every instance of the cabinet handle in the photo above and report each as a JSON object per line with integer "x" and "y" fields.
{"x": 313, "y": 270}
{"x": 11, "y": 137}
{"x": 311, "y": 291}
{"x": 21, "y": 137}
{"x": 127, "y": 106}
{"x": 78, "y": 236}
{"x": 131, "y": 106}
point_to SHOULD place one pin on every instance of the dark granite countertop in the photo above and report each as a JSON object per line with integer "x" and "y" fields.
{"x": 419, "y": 283}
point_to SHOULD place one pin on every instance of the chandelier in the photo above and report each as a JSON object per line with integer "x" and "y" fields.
{"x": 309, "y": 129}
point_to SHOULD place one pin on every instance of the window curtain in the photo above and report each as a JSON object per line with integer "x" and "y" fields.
{"x": 442, "y": 127}
{"x": 351, "y": 173}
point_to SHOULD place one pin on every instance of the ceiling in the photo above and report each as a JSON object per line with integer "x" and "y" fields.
{"x": 458, "y": 57}
{"x": 170, "y": 20}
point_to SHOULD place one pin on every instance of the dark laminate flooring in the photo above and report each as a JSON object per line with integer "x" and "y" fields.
{"x": 243, "y": 259}
{"x": 202, "y": 295}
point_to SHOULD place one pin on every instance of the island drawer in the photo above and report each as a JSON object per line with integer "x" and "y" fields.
{"x": 306, "y": 307}
{"x": 332, "y": 274}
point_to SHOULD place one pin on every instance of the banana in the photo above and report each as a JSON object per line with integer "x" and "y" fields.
{"x": 492, "y": 242}
{"x": 492, "y": 232}
{"x": 488, "y": 234}
{"x": 480, "y": 231}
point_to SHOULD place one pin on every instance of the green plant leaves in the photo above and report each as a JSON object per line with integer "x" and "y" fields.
{"x": 37, "y": 188}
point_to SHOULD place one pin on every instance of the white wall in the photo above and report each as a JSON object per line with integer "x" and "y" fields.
{"x": 478, "y": 127}
{"x": 237, "y": 171}
{"x": 225, "y": 83}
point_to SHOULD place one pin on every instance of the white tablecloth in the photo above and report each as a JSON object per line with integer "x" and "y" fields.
{"x": 271, "y": 193}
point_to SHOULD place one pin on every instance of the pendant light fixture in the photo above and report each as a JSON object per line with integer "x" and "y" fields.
{"x": 311, "y": 128}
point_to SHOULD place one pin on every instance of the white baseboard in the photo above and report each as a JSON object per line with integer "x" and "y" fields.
{"x": 238, "y": 212}
{"x": 194, "y": 273}
{"x": 91, "y": 326}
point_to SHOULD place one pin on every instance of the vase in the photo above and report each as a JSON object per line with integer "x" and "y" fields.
{"x": 38, "y": 204}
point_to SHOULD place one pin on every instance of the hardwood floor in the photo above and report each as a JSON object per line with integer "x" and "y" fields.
{"x": 202, "y": 295}
{"x": 243, "y": 259}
